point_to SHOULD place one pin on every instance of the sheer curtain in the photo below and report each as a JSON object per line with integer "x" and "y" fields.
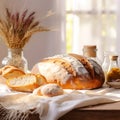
{"x": 118, "y": 27}
{"x": 95, "y": 22}
{"x": 42, "y": 44}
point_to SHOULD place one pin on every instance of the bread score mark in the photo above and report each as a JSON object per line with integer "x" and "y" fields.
{"x": 85, "y": 62}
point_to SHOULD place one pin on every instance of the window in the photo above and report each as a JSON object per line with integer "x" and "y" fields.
{"x": 91, "y": 22}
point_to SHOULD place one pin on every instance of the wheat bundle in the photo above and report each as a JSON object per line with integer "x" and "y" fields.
{"x": 16, "y": 29}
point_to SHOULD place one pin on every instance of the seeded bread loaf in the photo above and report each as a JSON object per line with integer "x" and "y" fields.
{"x": 71, "y": 71}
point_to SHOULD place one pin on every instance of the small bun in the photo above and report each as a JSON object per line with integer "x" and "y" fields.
{"x": 49, "y": 90}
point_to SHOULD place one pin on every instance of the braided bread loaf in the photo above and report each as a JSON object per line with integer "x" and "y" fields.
{"x": 71, "y": 71}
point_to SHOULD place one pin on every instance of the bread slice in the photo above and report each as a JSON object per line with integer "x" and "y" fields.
{"x": 9, "y": 72}
{"x": 25, "y": 83}
{"x": 41, "y": 80}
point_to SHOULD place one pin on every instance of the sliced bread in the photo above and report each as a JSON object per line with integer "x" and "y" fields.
{"x": 25, "y": 83}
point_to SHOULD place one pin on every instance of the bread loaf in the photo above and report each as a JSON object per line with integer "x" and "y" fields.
{"x": 71, "y": 71}
{"x": 25, "y": 83}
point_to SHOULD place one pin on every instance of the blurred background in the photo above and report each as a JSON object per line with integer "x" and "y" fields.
{"x": 93, "y": 22}
{"x": 75, "y": 23}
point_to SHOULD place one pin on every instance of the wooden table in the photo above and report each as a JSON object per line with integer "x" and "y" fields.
{"x": 109, "y": 111}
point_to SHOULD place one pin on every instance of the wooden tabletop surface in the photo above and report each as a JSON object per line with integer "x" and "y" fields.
{"x": 109, "y": 111}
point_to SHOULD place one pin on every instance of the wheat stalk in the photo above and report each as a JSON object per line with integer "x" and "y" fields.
{"x": 16, "y": 29}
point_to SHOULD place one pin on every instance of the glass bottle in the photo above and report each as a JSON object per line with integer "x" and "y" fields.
{"x": 105, "y": 64}
{"x": 113, "y": 70}
{"x": 16, "y": 58}
{"x": 90, "y": 51}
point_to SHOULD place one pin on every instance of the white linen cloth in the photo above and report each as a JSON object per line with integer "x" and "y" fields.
{"x": 52, "y": 108}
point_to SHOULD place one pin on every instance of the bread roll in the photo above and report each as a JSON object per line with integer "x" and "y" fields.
{"x": 48, "y": 90}
{"x": 9, "y": 71}
{"x": 71, "y": 71}
{"x": 25, "y": 83}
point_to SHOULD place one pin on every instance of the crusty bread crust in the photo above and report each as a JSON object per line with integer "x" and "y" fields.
{"x": 85, "y": 62}
{"x": 9, "y": 71}
{"x": 71, "y": 71}
{"x": 63, "y": 63}
{"x": 40, "y": 79}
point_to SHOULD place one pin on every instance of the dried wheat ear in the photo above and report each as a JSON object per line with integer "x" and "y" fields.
{"x": 16, "y": 29}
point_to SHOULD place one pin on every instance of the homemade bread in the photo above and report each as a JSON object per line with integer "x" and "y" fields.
{"x": 71, "y": 71}
{"x": 25, "y": 83}
{"x": 9, "y": 71}
{"x": 48, "y": 90}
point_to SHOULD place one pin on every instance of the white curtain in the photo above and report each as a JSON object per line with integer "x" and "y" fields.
{"x": 42, "y": 44}
{"x": 118, "y": 27}
{"x": 96, "y": 22}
